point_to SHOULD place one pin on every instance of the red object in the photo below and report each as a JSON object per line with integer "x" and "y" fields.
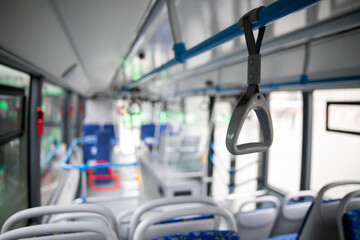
{"x": 71, "y": 111}
{"x": 40, "y": 121}
{"x": 110, "y": 176}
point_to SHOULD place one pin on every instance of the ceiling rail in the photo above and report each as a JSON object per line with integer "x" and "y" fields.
{"x": 266, "y": 16}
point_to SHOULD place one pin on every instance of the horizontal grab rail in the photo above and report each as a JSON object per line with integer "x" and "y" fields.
{"x": 84, "y": 166}
{"x": 266, "y": 16}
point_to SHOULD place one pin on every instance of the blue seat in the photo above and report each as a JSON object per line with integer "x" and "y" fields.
{"x": 90, "y": 149}
{"x": 203, "y": 235}
{"x": 148, "y": 132}
{"x": 351, "y": 224}
{"x": 348, "y": 217}
{"x": 292, "y": 236}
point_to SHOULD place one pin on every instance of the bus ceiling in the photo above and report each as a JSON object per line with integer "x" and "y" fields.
{"x": 109, "y": 47}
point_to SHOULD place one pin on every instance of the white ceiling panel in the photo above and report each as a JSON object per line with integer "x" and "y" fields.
{"x": 101, "y": 32}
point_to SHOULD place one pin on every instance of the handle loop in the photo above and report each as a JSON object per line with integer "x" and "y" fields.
{"x": 252, "y": 99}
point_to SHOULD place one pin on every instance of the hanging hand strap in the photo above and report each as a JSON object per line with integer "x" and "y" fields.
{"x": 252, "y": 99}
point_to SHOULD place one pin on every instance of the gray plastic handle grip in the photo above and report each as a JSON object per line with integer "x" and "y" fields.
{"x": 258, "y": 103}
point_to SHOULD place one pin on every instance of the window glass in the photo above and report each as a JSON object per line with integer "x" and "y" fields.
{"x": 11, "y": 114}
{"x": 13, "y": 154}
{"x": 197, "y": 120}
{"x": 52, "y": 104}
{"x": 246, "y": 166}
{"x": 74, "y": 112}
{"x": 285, "y": 152}
{"x": 335, "y": 156}
{"x": 184, "y": 140}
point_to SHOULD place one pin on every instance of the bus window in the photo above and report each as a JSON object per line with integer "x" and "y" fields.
{"x": 222, "y": 115}
{"x": 197, "y": 119}
{"x": 73, "y": 114}
{"x": 335, "y": 155}
{"x": 13, "y": 152}
{"x": 245, "y": 167}
{"x": 285, "y": 152}
{"x": 52, "y": 105}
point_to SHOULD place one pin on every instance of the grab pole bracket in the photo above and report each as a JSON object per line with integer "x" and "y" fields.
{"x": 252, "y": 15}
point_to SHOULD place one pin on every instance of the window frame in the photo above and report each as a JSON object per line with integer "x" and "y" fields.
{"x": 328, "y": 103}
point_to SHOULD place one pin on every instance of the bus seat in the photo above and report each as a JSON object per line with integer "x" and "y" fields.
{"x": 291, "y": 236}
{"x": 175, "y": 203}
{"x": 123, "y": 220}
{"x": 214, "y": 234}
{"x": 147, "y": 133}
{"x": 111, "y": 129}
{"x": 351, "y": 224}
{"x": 90, "y": 149}
{"x": 349, "y": 221}
{"x": 66, "y": 230}
{"x": 94, "y": 210}
{"x": 292, "y": 214}
{"x": 190, "y": 211}
{"x": 257, "y": 224}
{"x": 320, "y": 222}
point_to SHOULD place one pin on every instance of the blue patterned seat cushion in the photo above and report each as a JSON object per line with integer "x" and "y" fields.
{"x": 292, "y": 236}
{"x": 351, "y": 224}
{"x": 203, "y": 235}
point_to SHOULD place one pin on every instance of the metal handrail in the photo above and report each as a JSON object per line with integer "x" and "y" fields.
{"x": 83, "y": 167}
{"x": 266, "y": 16}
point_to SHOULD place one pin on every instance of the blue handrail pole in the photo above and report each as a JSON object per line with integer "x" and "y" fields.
{"x": 267, "y": 15}
{"x": 83, "y": 167}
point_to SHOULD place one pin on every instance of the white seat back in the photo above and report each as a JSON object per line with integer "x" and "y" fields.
{"x": 321, "y": 220}
{"x": 291, "y": 215}
{"x": 142, "y": 209}
{"x": 140, "y": 232}
{"x": 90, "y": 230}
{"x": 257, "y": 224}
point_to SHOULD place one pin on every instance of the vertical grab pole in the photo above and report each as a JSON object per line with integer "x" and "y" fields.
{"x": 179, "y": 46}
{"x": 83, "y": 184}
{"x": 212, "y": 101}
{"x": 174, "y": 22}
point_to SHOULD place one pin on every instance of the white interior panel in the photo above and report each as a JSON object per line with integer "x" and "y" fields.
{"x": 285, "y": 66}
{"x": 198, "y": 82}
{"x": 168, "y": 89}
{"x": 34, "y": 34}
{"x": 234, "y": 75}
{"x": 101, "y": 32}
{"x": 335, "y": 57}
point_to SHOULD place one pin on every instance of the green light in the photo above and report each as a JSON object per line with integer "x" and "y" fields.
{"x": 4, "y": 105}
{"x": 163, "y": 74}
{"x": 136, "y": 120}
{"x": 122, "y": 61}
{"x": 163, "y": 117}
{"x": 136, "y": 72}
{"x": 228, "y": 117}
{"x": 127, "y": 118}
{"x": 54, "y": 92}
{"x": 10, "y": 82}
